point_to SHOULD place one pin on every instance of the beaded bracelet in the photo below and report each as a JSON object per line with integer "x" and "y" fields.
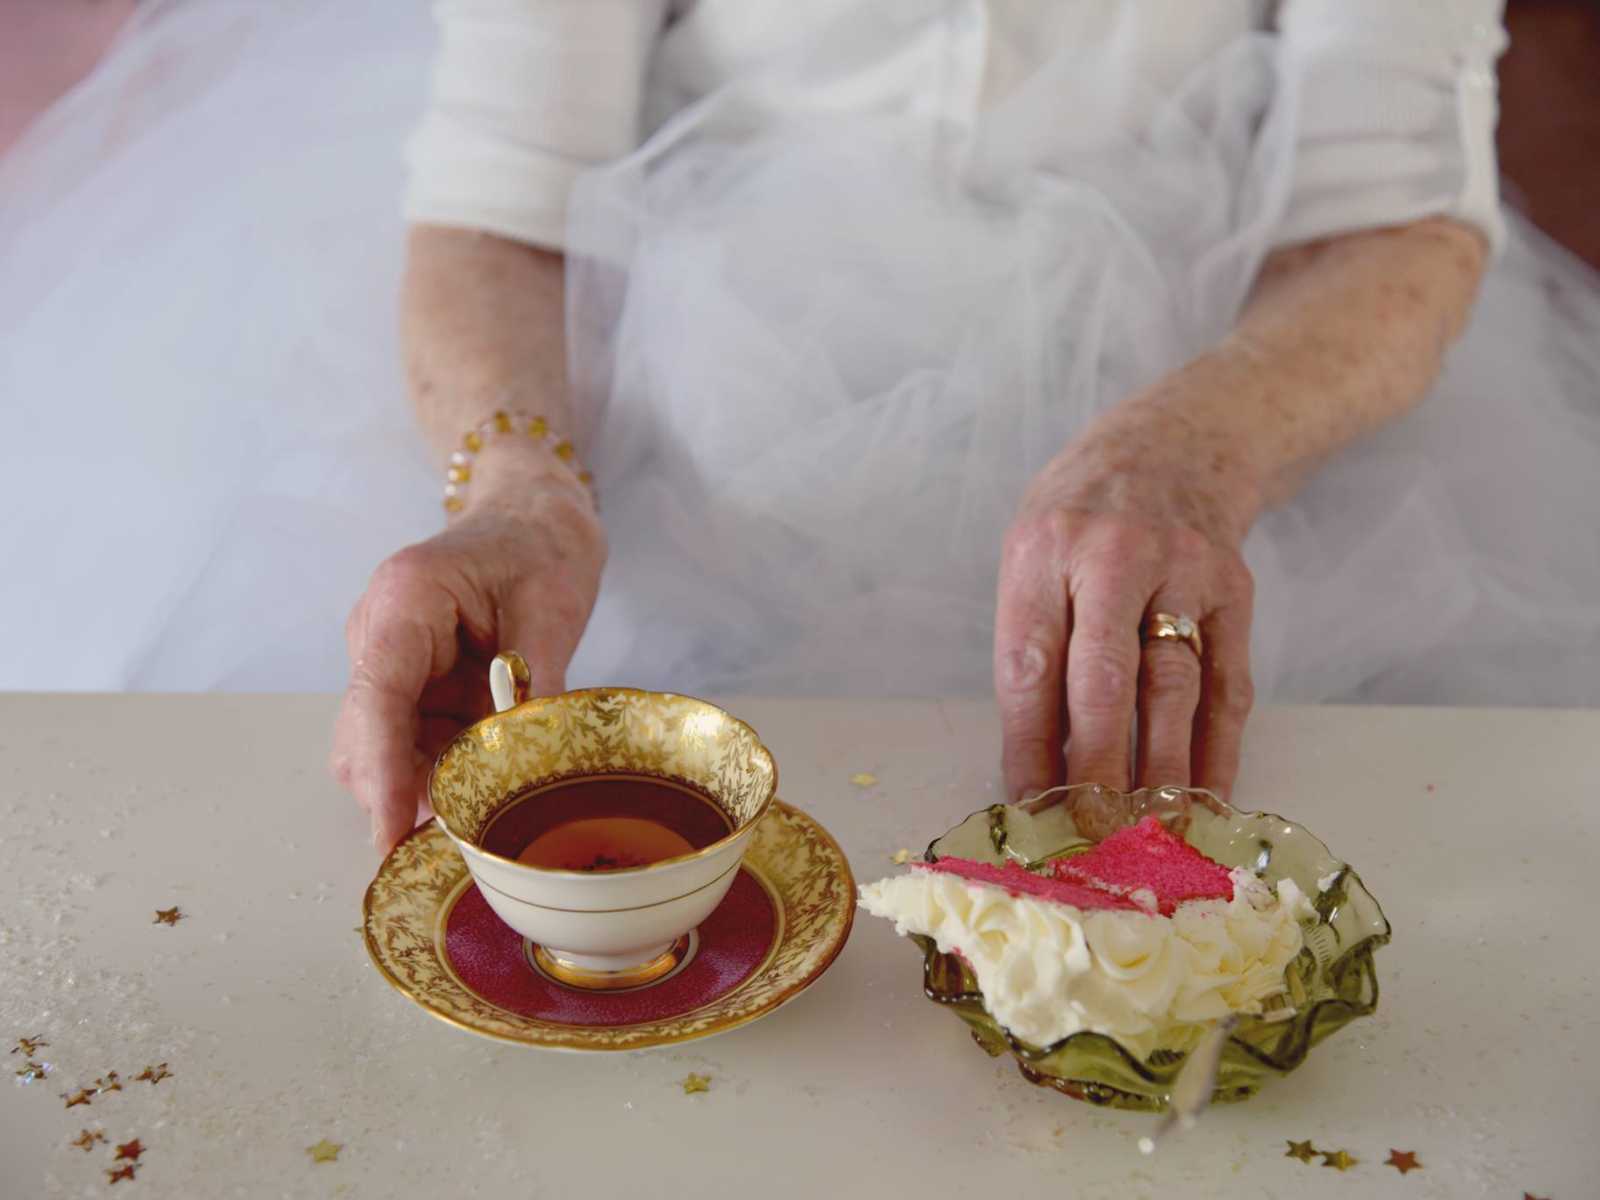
{"x": 537, "y": 428}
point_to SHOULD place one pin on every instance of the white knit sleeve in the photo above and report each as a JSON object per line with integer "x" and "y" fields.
{"x": 1394, "y": 105}
{"x": 526, "y": 93}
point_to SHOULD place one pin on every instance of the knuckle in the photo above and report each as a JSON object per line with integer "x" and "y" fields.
{"x": 339, "y": 767}
{"x": 1118, "y": 545}
{"x": 1129, "y": 534}
{"x": 1024, "y": 667}
{"x": 1188, "y": 545}
{"x": 1037, "y": 537}
{"x": 1238, "y": 584}
{"x": 398, "y": 575}
{"x": 345, "y": 772}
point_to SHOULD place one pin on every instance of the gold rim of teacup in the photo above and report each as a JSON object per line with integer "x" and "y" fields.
{"x": 556, "y": 781}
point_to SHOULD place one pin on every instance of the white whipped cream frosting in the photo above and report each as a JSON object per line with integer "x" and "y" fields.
{"x": 1048, "y": 970}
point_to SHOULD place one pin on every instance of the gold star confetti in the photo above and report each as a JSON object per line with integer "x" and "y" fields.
{"x": 28, "y": 1047}
{"x": 901, "y": 857}
{"x": 31, "y": 1071}
{"x": 81, "y": 1096}
{"x": 1403, "y": 1161}
{"x": 1304, "y": 1151}
{"x": 153, "y": 1075}
{"x": 110, "y": 1082}
{"x": 693, "y": 1083}
{"x": 168, "y": 916}
{"x": 864, "y": 779}
{"x": 325, "y": 1151}
{"x": 86, "y": 1139}
{"x": 130, "y": 1150}
{"x": 1340, "y": 1160}
{"x": 118, "y": 1174}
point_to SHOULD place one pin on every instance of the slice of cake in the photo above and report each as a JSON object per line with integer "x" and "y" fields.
{"x": 1143, "y": 938}
{"x": 1149, "y": 863}
{"x": 1019, "y": 882}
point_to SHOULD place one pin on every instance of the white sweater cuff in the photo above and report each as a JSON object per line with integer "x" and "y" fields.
{"x": 1394, "y": 109}
{"x": 526, "y": 94}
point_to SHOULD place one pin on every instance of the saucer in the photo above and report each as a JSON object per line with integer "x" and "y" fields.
{"x": 783, "y": 922}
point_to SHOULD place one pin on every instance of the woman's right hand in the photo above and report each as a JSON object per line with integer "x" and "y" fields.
{"x": 518, "y": 569}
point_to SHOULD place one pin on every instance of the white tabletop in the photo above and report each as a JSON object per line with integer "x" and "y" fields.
{"x": 1476, "y": 830}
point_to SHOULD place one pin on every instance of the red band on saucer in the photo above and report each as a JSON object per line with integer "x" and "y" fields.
{"x": 487, "y": 956}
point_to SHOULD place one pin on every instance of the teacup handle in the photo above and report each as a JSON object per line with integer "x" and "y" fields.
{"x": 509, "y": 680}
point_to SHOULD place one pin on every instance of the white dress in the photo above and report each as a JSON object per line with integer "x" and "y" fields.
{"x": 838, "y": 291}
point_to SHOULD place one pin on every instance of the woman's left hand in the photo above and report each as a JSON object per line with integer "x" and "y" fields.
{"x": 1143, "y": 513}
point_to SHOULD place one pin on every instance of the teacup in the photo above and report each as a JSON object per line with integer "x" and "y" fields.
{"x": 607, "y": 928}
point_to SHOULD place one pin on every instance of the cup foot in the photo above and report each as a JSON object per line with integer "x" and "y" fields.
{"x": 564, "y": 970}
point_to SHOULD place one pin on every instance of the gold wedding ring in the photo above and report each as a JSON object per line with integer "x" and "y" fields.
{"x": 1171, "y": 627}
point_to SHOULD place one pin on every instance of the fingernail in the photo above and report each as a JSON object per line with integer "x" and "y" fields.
{"x": 377, "y": 843}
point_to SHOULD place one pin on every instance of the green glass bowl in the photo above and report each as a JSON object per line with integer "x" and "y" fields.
{"x": 1331, "y": 982}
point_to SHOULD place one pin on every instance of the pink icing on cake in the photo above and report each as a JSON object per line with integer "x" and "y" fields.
{"x": 1149, "y": 857}
{"x": 1020, "y": 882}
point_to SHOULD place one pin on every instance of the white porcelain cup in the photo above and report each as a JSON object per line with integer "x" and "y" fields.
{"x": 613, "y": 928}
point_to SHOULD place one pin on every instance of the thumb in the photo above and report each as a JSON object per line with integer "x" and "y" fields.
{"x": 543, "y": 620}
{"x": 546, "y": 649}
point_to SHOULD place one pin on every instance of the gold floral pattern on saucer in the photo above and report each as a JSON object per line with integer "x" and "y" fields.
{"x": 795, "y": 862}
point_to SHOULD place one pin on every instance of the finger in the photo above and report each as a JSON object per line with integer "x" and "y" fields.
{"x": 390, "y": 772}
{"x": 1032, "y": 624}
{"x": 434, "y": 734}
{"x": 354, "y": 767}
{"x": 1169, "y": 693}
{"x": 341, "y": 759}
{"x": 1103, "y": 678}
{"x": 462, "y": 694}
{"x": 407, "y": 637}
{"x": 354, "y": 626}
{"x": 1227, "y": 695}
{"x": 543, "y": 624}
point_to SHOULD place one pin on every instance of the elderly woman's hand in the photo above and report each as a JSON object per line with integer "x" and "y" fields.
{"x": 1143, "y": 513}
{"x": 1146, "y": 511}
{"x": 518, "y": 569}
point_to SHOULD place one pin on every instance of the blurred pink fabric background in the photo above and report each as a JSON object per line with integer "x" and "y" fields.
{"x": 46, "y": 46}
